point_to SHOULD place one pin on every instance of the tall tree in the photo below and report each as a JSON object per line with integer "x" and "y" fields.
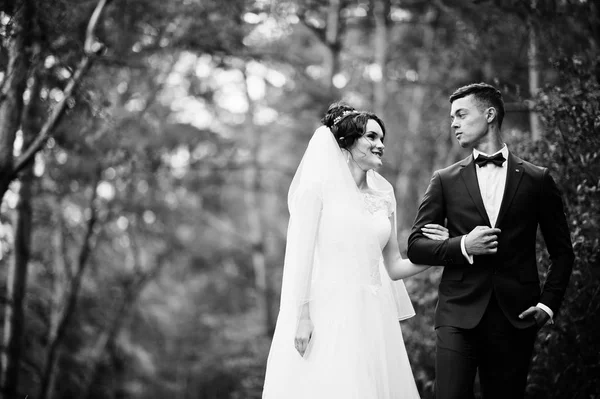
{"x": 24, "y": 46}
{"x": 60, "y": 320}
{"x": 19, "y": 45}
{"x": 381, "y": 14}
{"x": 14, "y": 321}
{"x": 330, "y": 35}
{"x": 19, "y": 42}
{"x": 534, "y": 76}
{"x": 409, "y": 170}
{"x": 255, "y": 212}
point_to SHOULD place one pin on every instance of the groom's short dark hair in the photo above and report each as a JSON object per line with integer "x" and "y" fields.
{"x": 486, "y": 95}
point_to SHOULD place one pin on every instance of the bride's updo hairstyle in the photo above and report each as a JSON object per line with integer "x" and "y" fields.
{"x": 336, "y": 111}
{"x": 348, "y": 125}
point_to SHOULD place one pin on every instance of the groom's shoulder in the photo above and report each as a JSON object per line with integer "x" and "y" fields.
{"x": 531, "y": 168}
{"x": 452, "y": 170}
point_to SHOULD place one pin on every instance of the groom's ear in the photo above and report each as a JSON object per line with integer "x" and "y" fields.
{"x": 490, "y": 114}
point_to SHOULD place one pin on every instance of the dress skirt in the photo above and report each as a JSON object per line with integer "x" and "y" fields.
{"x": 356, "y": 350}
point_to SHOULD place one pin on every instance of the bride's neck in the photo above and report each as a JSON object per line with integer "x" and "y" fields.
{"x": 359, "y": 175}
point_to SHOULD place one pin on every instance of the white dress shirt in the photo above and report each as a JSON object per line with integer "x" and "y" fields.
{"x": 492, "y": 180}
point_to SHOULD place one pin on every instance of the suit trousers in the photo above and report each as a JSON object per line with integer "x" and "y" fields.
{"x": 501, "y": 353}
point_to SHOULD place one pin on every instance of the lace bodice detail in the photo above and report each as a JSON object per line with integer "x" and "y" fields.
{"x": 377, "y": 203}
{"x": 380, "y": 207}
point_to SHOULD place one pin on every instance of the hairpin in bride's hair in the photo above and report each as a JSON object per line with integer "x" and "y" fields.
{"x": 342, "y": 116}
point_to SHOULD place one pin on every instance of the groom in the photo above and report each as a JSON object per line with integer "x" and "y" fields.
{"x": 490, "y": 304}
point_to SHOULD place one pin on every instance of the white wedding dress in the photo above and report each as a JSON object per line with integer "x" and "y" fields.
{"x": 356, "y": 350}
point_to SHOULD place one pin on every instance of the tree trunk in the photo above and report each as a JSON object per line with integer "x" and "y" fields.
{"x": 332, "y": 43}
{"x": 407, "y": 183}
{"x": 106, "y": 339}
{"x": 50, "y": 377}
{"x": 59, "y": 327}
{"x": 133, "y": 291}
{"x": 11, "y": 98}
{"x": 381, "y": 10}
{"x": 595, "y": 27}
{"x": 14, "y": 91}
{"x": 14, "y": 317}
{"x": 58, "y": 287}
{"x": 255, "y": 212}
{"x": 330, "y": 37}
{"x": 534, "y": 81}
{"x": 14, "y": 322}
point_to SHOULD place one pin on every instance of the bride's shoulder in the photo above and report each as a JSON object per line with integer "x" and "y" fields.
{"x": 384, "y": 191}
{"x": 381, "y": 184}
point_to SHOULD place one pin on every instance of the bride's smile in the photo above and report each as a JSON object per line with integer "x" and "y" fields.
{"x": 368, "y": 150}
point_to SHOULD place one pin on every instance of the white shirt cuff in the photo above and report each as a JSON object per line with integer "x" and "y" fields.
{"x": 547, "y": 310}
{"x": 463, "y": 249}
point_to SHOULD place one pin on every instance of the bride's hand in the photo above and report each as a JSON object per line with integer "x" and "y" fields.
{"x": 303, "y": 335}
{"x": 435, "y": 232}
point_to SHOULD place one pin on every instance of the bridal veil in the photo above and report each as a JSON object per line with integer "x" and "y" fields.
{"x": 323, "y": 183}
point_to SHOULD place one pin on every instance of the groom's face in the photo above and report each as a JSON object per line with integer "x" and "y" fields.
{"x": 468, "y": 121}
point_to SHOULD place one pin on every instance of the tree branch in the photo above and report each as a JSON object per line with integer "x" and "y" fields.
{"x": 319, "y": 32}
{"x": 91, "y": 47}
{"x": 86, "y": 248}
{"x": 73, "y": 297}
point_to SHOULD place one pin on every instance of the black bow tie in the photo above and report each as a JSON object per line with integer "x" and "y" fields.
{"x": 483, "y": 160}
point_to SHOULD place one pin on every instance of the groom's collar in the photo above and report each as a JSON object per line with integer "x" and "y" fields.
{"x": 503, "y": 151}
{"x": 468, "y": 160}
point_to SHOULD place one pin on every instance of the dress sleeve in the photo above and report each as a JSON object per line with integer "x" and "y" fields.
{"x": 404, "y": 307}
{"x": 305, "y": 215}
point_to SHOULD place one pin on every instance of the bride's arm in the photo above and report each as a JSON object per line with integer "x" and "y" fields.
{"x": 305, "y": 215}
{"x": 399, "y": 268}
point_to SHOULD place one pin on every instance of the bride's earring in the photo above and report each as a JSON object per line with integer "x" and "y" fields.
{"x": 348, "y": 157}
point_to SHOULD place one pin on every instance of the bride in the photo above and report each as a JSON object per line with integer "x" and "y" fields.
{"x": 337, "y": 333}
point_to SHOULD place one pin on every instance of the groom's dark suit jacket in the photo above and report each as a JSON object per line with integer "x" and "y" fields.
{"x": 531, "y": 199}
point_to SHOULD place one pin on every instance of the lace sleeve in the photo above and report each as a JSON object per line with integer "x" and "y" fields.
{"x": 391, "y": 204}
{"x": 404, "y": 307}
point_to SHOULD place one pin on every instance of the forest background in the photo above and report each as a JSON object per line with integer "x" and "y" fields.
{"x": 146, "y": 149}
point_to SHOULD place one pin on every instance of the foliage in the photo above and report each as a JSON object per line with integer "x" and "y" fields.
{"x": 568, "y": 354}
{"x": 181, "y": 142}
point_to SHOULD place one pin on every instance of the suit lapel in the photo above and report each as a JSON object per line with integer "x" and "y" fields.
{"x": 514, "y": 173}
{"x": 469, "y": 177}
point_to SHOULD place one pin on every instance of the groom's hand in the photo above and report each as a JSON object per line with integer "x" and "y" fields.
{"x": 482, "y": 240}
{"x": 537, "y": 314}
